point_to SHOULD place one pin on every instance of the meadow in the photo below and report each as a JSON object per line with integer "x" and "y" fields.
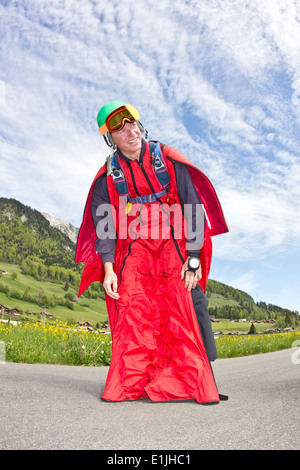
{"x": 54, "y": 343}
{"x": 246, "y": 345}
{"x": 57, "y": 343}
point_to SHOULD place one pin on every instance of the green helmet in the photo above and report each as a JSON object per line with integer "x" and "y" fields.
{"x": 118, "y": 112}
{"x": 106, "y": 110}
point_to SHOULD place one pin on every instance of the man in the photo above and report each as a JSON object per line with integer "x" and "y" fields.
{"x": 146, "y": 235}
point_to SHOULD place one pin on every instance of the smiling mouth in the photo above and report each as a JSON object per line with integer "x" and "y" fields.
{"x": 132, "y": 141}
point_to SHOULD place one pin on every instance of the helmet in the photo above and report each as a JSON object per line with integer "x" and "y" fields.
{"x": 112, "y": 117}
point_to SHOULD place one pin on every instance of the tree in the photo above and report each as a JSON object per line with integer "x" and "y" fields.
{"x": 280, "y": 323}
{"x": 289, "y": 319}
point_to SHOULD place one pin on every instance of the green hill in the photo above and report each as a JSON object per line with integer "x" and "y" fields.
{"x": 25, "y": 232}
{"x": 39, "y": 261}
{"x": 30, "y": 296}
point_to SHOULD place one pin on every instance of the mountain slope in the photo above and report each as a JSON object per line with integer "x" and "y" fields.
{"x": 65, "y": 227}
{"x": 25, "y": 232}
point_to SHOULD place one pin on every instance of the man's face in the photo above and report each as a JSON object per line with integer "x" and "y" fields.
{"x": 129, "y": 140}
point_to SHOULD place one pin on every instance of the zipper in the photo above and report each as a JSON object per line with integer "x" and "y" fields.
{"x": 161, "y": 204}
{"x": 172, "y": 233}
{"x": 130, "y": 244}
{"x": 133, "y": 180}
{"x": 125, "y": 259}
{"x": 176, "y": 244}
{"x": 146, "y": 177}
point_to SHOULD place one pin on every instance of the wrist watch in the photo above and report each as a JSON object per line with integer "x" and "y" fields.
{"x": 193, "y": 264}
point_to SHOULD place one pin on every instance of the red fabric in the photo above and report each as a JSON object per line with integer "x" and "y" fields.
{"x": 158, "y": 351}
{"x": 157, "y": 348}
{"x": 85, "y": 251}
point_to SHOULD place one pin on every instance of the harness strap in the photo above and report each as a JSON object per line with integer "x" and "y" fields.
{"x": 148, "y": 197}
{"x": 158, "y": 164}
{"x": 114, "y": 169}
{"x": 118, "y": 176}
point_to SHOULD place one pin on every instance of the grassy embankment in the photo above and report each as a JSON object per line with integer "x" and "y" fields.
{"x": 58, "y": 343}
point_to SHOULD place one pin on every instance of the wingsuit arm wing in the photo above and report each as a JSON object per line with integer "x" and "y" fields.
{"x": 103, "y": 221}
{"x": 193, "y": 210}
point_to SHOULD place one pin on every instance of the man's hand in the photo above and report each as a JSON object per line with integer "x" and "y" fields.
{"x": 191, "y": 279}
{"x": 110, "y": 282}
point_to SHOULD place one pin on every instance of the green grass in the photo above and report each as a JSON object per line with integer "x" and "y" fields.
{"x": 57, "y": 343}
{"x": 226, "y": 326}
{"x": 235, "y": 346}
{"x": 217, "y": 300}
{"x": 54, "y": 343}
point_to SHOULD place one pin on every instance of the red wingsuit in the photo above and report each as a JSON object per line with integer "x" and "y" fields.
{"x": 157, "y": 348}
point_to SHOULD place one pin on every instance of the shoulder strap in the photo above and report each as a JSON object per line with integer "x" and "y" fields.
{"x": 114, "y": 169}
{"x": 159, "y": 167}
{"x": 158, "y": 163}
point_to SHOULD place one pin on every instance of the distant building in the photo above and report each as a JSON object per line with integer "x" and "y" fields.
{"x": 85, "y": 323}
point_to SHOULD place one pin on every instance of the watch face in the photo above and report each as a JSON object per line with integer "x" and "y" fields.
{"x": 194, "y": 263}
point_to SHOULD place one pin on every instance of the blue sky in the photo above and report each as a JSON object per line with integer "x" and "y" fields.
{"x": 219, "y": 80}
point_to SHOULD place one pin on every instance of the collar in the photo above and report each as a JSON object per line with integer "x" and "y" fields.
{"x": 126, "y": 159}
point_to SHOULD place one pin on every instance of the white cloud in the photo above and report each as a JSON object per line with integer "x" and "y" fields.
{"x": 246, "y": 282}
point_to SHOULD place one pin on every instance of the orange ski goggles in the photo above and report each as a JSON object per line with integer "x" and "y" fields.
{"x": 116, "y": 119}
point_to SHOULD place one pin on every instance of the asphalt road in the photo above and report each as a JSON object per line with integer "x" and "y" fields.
{"x": 58, "y": 407}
